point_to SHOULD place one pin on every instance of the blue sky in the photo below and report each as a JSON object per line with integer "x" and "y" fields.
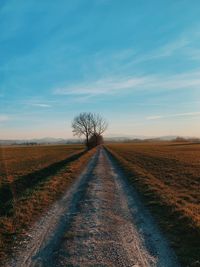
{"x": 137, "y": 63}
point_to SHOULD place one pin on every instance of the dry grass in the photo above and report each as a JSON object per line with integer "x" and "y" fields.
{"x": 16, "y": 161}
{"x": 167, "y": 175}
{"x": 33, "y": 201}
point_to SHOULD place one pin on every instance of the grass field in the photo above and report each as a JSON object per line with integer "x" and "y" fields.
{"x": 16, "y": 161}
{"x": 168, "y": 177}
{"x": 32, "y": 178}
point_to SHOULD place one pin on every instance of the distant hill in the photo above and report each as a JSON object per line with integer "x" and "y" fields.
{"x": 46, "y": 140}
{"x": 52, "y": 140}
{"x": 138, "y": 137}
{"x": 145, "y": 138}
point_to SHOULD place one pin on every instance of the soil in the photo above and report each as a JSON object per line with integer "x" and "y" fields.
{"x": 100, "y": 221}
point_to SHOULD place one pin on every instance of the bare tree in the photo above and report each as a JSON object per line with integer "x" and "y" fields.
{"x": 82, "y": 125}
{"x": 99, "y": 126}
{"x": 90, "y": 125}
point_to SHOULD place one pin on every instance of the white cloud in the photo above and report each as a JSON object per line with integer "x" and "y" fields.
{"x": 173, "y": 47}
{"x": 4, "y": 118}
{"x": 114, "y": 85}
{"x": 186, "y": 114}
{"x": 184, "y": 45}
{"x": 41, "y": 105}
{"x": 155, "y": 117}
{"x": 193, "y": 53}
{"x": 103, "y": 86}
{"x": 165, "y": 51}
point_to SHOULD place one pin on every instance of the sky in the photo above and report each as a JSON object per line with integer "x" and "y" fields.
{"x": 135, "y": 62}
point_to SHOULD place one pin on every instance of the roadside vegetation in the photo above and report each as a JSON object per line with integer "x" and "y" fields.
{"x": 31, "y": 179}
{"x": 167, "y": 176}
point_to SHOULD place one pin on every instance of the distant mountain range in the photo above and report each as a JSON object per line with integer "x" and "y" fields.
{"x": 52, "y": 140}
{"x": 153, "y": 139}
{"x": 45, "y": 140}
{"x": 142, "y": 138}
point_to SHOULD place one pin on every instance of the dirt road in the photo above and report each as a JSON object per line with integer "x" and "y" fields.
{"x": 100, "y": 221}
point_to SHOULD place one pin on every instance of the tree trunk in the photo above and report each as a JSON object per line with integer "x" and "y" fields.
{"x": 96, "y": 138}
{"x": 87, "y": 141}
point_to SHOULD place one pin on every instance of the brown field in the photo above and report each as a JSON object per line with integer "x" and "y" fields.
{"x": 16, "y": 161}
{"x": 167, "y": 175}
{"x": 37, "y": 176}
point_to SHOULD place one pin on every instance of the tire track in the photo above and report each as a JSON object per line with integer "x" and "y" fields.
{"x": 100, "y": 221}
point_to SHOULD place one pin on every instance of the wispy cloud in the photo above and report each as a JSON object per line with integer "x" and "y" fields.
{"x": 165, "y": 50}
{"x": 193, "y": 53}
{"x": 114, "y": 85}
{"x": 4, "y": 118}
{"x": 186, "y": 114}
{"x": 172, "y": 47}
{"x": 183, "y": 45}
{"x": 41, "y": 105}
{"x": 103, "y": 86}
